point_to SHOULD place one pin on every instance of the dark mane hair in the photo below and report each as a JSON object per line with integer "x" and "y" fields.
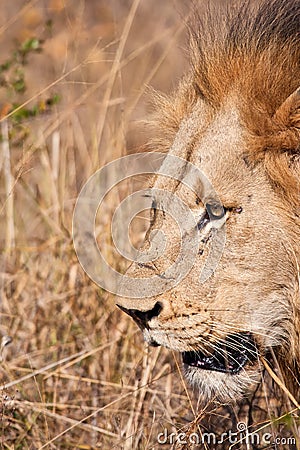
{"x": 254, "y": 47}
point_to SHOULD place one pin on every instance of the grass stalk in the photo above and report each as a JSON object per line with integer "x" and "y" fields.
{"x": 9, "y": 186}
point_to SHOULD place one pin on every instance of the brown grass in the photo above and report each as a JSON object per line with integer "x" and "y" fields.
{"x": 77, "y": 374}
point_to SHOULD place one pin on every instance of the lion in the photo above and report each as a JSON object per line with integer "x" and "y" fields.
{"x": 235, "y": 116}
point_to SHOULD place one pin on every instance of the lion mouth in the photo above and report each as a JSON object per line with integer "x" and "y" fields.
{"x": 228, "y": 356}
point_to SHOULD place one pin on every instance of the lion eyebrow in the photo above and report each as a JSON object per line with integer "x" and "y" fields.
{"x": 199, "y": 201}
{"x": 154, "y": 201}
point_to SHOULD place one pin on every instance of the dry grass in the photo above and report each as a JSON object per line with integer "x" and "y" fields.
{"x": 77, "y": 374}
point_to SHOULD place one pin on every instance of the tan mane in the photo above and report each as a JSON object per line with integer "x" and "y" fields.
{"x": 255, "y": 51}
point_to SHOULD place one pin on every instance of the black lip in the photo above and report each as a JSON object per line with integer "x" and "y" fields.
{"x": 228, "y": 356}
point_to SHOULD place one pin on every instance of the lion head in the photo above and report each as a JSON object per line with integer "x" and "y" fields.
{"x": 236, "y": 117}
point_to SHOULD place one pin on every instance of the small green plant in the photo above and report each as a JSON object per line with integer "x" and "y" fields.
{"x": 13, "y": 86}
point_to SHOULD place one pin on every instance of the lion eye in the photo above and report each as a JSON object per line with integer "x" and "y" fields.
{"x": 216, "y": 211}
{"x": 213, "y": 212}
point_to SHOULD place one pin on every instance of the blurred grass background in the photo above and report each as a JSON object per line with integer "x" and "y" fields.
{"x": 77, "y": 374}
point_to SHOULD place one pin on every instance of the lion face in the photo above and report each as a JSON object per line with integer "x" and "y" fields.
{"x": 223, "y": 325}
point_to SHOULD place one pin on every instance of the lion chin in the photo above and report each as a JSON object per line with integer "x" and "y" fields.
{"x": 222, "y": 387}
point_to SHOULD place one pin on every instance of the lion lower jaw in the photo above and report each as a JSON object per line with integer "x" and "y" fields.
{"x": 212, "y": 385}
{"x": 222, "y": 387}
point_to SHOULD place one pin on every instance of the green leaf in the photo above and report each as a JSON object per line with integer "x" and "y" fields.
{"x": 30, "y": 44}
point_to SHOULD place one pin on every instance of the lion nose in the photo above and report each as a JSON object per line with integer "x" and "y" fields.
{"x": 142, "y": 318}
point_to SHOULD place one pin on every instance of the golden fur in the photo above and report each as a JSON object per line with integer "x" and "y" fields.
{"x": 241, "y": 103}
